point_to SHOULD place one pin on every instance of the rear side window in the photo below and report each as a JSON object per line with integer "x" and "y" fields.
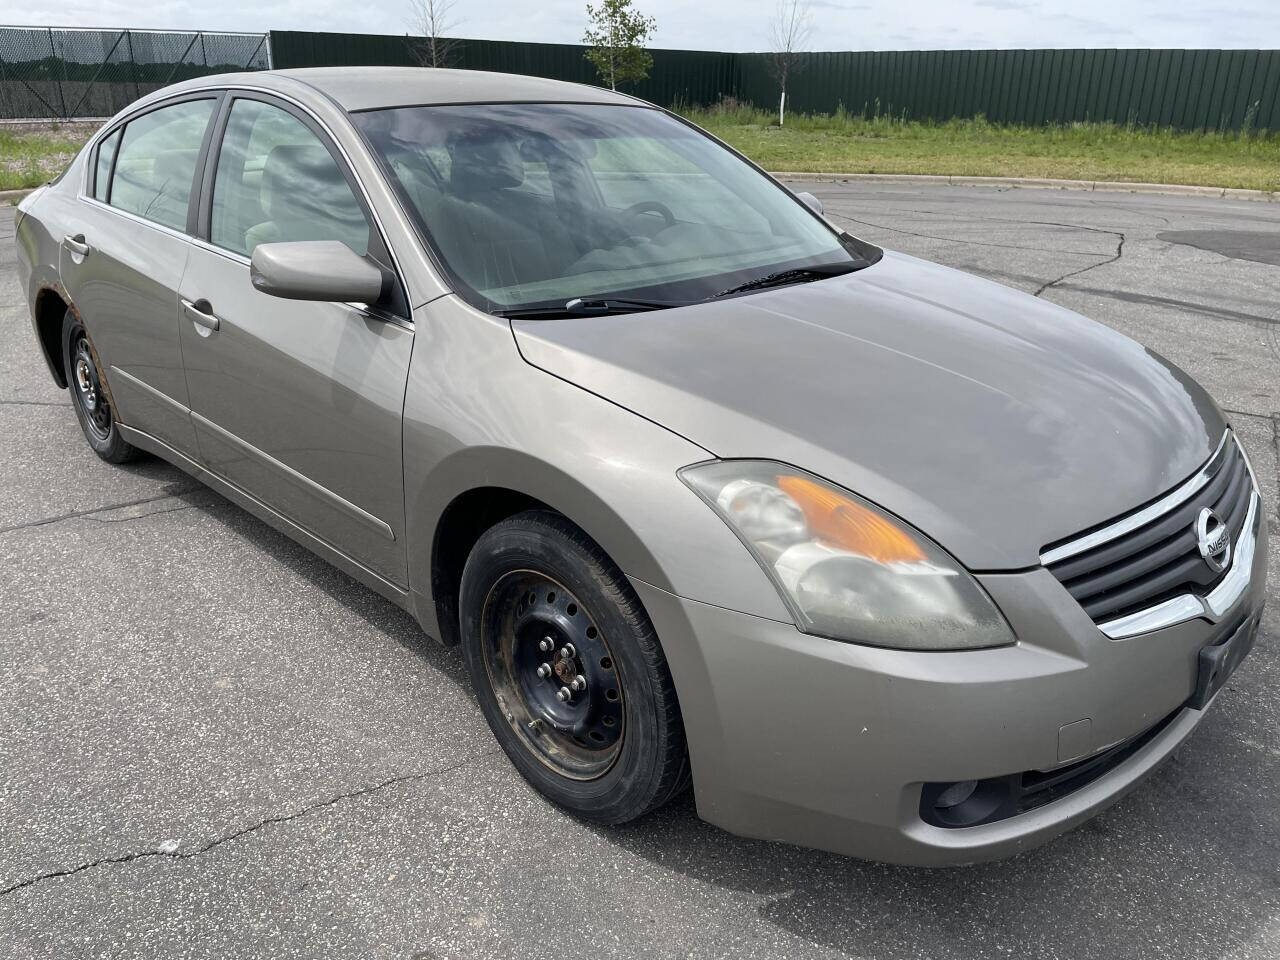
{"x": 276, "y": 181}
{"x": 157, "y": 162}
{"x": 102, "y": 170}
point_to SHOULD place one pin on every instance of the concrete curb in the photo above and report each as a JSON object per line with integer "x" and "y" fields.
{"x": 1037, "y": 183}
{"x": 12, "y": 196}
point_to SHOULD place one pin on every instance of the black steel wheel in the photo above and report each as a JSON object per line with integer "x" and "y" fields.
{"x": 89, "y": 394}
{"x": 568, "y": 670}
{"x": 552, "y": 670}
{"x": 88, "y": 387}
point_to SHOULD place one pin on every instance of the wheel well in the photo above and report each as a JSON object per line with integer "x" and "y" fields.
{"x": 50, "y": 309}
{"x": 461, "y": 525}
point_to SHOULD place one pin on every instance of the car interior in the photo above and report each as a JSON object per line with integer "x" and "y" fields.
{"x": 513, "y": 212}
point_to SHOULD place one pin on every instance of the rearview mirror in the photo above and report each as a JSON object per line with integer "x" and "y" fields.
{"x": 810, "y": 201}
{"x": 316, "y": 270}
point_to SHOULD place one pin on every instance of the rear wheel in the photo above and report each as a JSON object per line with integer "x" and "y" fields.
{"x": 89, "y": 395}
{"x": 569, "y": 672}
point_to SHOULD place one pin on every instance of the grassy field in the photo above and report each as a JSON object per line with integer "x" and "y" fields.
{"x": 30, "y": 155}
{"x": 841, "y": 143}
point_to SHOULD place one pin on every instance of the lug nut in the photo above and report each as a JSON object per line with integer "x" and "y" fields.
{"x": 579, "y": 682}
{"x": 544, "y": 670}
{"x": 567, "y": 651}
{"x": 564, "y": 694}
{"x": 546, "y": 644}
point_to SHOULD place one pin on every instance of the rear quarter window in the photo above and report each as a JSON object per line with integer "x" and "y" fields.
{"x": 102, "y": 168}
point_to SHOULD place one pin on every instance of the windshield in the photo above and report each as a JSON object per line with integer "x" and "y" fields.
{"x": 536, "y": 204}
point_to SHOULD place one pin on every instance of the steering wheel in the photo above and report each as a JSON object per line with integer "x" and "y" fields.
{"x": 652, "y": 206}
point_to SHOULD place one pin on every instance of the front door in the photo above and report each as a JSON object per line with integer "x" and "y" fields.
{"x": 297, "y": 403}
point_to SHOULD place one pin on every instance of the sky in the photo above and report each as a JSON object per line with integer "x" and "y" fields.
{"x": 727, "y": 24}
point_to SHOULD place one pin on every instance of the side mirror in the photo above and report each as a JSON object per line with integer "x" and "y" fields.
{"x": 316, "y": 270}
{"x": 810, "y": 201}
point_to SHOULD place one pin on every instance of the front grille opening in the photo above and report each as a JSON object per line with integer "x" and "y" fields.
{"x": 1160, "y": 559}
{"x": 971, "y": 803}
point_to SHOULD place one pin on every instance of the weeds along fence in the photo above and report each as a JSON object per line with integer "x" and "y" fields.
{"x": 61, "y": 74}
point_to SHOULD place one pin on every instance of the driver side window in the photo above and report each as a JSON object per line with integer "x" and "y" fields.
{"x": 276, "y": 181}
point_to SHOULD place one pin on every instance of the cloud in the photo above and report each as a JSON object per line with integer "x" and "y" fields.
{"x": 729, "y": 24}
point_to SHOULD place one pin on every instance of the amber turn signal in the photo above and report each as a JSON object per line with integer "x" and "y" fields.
{"x": 842, "y": 522}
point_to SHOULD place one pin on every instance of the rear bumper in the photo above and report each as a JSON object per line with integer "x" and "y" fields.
{"x": 829, "y": 745}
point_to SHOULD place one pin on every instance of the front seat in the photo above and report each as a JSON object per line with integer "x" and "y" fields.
{"x": 493, "y": 234}
{"x": 306, "y": 197}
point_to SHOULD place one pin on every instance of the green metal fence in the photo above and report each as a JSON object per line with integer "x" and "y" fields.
{"x": 1188, "y": 89}
{"x": 61, "y": 74}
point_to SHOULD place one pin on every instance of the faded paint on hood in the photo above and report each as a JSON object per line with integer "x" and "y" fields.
{"x": 995, "y": 422}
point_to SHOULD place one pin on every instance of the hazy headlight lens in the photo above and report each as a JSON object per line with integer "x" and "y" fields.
{"x": 846, "y": 569}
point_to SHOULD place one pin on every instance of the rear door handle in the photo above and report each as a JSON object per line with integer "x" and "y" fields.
{"x": 200, "y": 312}
{"x": 76, "y": 245}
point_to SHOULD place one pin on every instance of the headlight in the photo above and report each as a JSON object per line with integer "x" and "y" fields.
{"x": 848, "y": 570}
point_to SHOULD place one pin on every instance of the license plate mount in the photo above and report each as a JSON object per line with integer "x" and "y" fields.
{"x": 1219, "y": 660}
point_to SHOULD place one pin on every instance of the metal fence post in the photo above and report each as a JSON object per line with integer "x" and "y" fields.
{"x": 53, "y": 53}
{"x": 133, "y": 65}
{"x": 94, "y": 79}
{"x": 177, "y": 63}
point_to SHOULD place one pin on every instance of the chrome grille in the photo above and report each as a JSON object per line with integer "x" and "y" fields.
{"x": 1151, "y": 558}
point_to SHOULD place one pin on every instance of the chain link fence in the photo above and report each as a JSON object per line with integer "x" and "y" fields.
{"x": 68, "y": 74}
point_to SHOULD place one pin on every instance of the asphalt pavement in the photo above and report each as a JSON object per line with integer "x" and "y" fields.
{"x": 214, "y": 745}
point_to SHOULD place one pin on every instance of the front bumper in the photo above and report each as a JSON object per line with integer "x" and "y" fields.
{"x": 829, "y": 745}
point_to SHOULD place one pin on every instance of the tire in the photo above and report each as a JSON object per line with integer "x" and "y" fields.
{"x": 615, "y": 749}
{"x": 90, "y": 396}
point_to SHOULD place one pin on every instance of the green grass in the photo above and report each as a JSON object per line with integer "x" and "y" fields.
{"x": 845, "y": 143}
{"x": 31, "y": 155}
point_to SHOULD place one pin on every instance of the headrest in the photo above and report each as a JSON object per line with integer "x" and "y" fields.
{"x": 301, "y": 177}
{"x": 541, "y": 148}
{"x": 485, "y": 160}
{"x": 174, "y": 169}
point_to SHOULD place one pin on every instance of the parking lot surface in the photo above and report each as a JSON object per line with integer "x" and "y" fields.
{"x": 214, "y": 745}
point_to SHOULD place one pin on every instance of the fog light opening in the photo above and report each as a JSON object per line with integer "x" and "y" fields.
{"x": 967, "y": 803}
{"x": 955, "y": 794}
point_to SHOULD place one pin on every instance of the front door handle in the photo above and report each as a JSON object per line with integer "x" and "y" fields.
{"x": 76, "y": 245}
{"x": 200, "y": 312}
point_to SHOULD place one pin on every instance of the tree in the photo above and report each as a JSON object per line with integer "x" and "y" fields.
{"x": 788, "y": 34}
{"x": 616, "y": 35}
{"x": 432, "y": 21}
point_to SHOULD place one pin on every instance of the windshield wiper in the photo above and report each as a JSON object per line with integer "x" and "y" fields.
{"x": 605, "y": 306}
{"x": 591, "y": 306}
{"x": 795, "y": 275}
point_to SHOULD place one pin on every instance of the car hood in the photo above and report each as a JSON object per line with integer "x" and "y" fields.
{"x": 995, "y": 422}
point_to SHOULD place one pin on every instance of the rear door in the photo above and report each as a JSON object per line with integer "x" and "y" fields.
{"x": 123, "y": 255}
{"x": 297, "y": 403}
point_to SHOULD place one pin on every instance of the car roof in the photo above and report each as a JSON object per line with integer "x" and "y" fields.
{"x": 369, "y": 88}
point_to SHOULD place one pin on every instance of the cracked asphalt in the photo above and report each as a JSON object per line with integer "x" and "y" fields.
{"x": 214, "y": 745}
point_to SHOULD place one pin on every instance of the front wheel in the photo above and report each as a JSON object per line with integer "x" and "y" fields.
{"x": 569, "y": 672}
{"x": 89, "y": 396}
